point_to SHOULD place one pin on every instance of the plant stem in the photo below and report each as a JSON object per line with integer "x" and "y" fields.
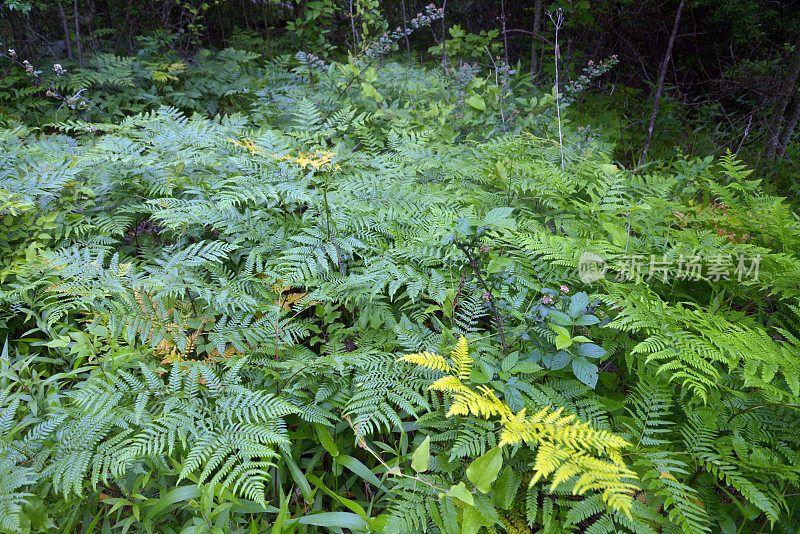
{"x": 499, "y": 320}
{"x": 661, "y": 75}
{"x": 558, "y": 20}
{"x": 405, "y": 30}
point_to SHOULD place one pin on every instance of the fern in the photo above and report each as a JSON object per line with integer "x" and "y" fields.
{"x": 564, "y": 448}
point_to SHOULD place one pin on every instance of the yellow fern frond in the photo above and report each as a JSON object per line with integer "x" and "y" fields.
{"x": 567, "y": 450}
{"x": 428, "y": 360}
{"x": 467, "y": 402}
{"x": 448, "y": 383}
{"x": 462, "y": 359}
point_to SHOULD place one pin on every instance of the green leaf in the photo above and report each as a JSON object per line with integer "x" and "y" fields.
{"x": 280, "y": 520}
{"x": 514, "y": 398}
{"x": 358, "y": 468}
{"x": 556, "y": 360}
{"x": 477, "y": 102}
{"x": 460, "y": 492}
{"x": 331, "y": 519}
{"x": 484, "y": 470}
{"x": 590, "y": 350}
{"x": 577, "y": 304}
{"x": 352, "y": 505}
{"x": 559, "y": 318}
{"x": 298, "y": 477}
{"x": 421, "y": 458}
{"x": 560, "y": 330}
{"x": 608, "y": 168}
{"x": 510, "y": 361}
{"x": 500, "y": 218}
{"x": 585, "y": 371}
{"x": 175, "y": 495}
{"x": 472, "y": 520}
{"x": 526, "y": 368}
{"x": 505, "y": 489}
{"x": 563, "y": 341}
{"x": 370, "y": 92}
{"x": 378, "y": 524}
{"x": 587, "y": 320}
{"x": 326, "y": 439}
{"x": 618, "y": 234}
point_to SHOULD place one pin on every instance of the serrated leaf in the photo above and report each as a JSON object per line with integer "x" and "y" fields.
{"x": 500, "y": 218}
{"x": 526, "y": 368}
{"x": 587, "y": 320}
{"x": 510, "y": 361}
{"x": 556, "y": 360}
{"x": 559, "y": 317}
{"x": 578, "y": 304}
{"x": 590, "y": 350}
{"x": 563, "y": 341}
{"x": 514, "y": 398}
{"x": 585, "y": 371}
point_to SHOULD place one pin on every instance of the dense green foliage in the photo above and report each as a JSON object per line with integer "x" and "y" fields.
{"x": 291, "y": 295}
{"x": 729, "y": 84}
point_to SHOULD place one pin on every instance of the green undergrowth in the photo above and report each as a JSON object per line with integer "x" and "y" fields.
{"x": 205, "y": 316}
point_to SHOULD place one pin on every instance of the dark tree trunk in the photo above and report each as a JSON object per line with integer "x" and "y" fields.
{"x": 792, "y": 116}
{"x": 244, "y": 13}
{"x": 505, "y": 34}
{"x": 444, "y": 38}
{"x": 78, "y": 34}
{"x": 65, "y": 27}
{"x": 661, "y": 75}
{"x": 787, "y": 89}
{"x": 537, "y": 29}
{"x": 405, "y": 30}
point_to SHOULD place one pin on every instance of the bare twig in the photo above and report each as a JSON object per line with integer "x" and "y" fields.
{"x": 558, "y": 19}
{"x": 405, "y": 30}
{"x": 661, "y": 75}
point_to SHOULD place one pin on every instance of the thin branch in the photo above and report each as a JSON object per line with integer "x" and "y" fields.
{"x": 558, "y": 20}
{"x": 661, "y": 75}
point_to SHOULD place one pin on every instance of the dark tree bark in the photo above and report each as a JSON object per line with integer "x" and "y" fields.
{"x": 505, "y": 34}
{"x": 444, "y": 38}
{"x": 78, "y": 34}
{"x": 537, "y": 29}
{"x": 792, "y": 116}
{"x": 265, "y": 13}
{"x": 244, "y": 13}
{"x": 661, "y": 75}
{"x": 65, "y": 27}
{"x": 779, "y": 112}
{"x": 405, "y": 29}
{"x": 353, "y": 27}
